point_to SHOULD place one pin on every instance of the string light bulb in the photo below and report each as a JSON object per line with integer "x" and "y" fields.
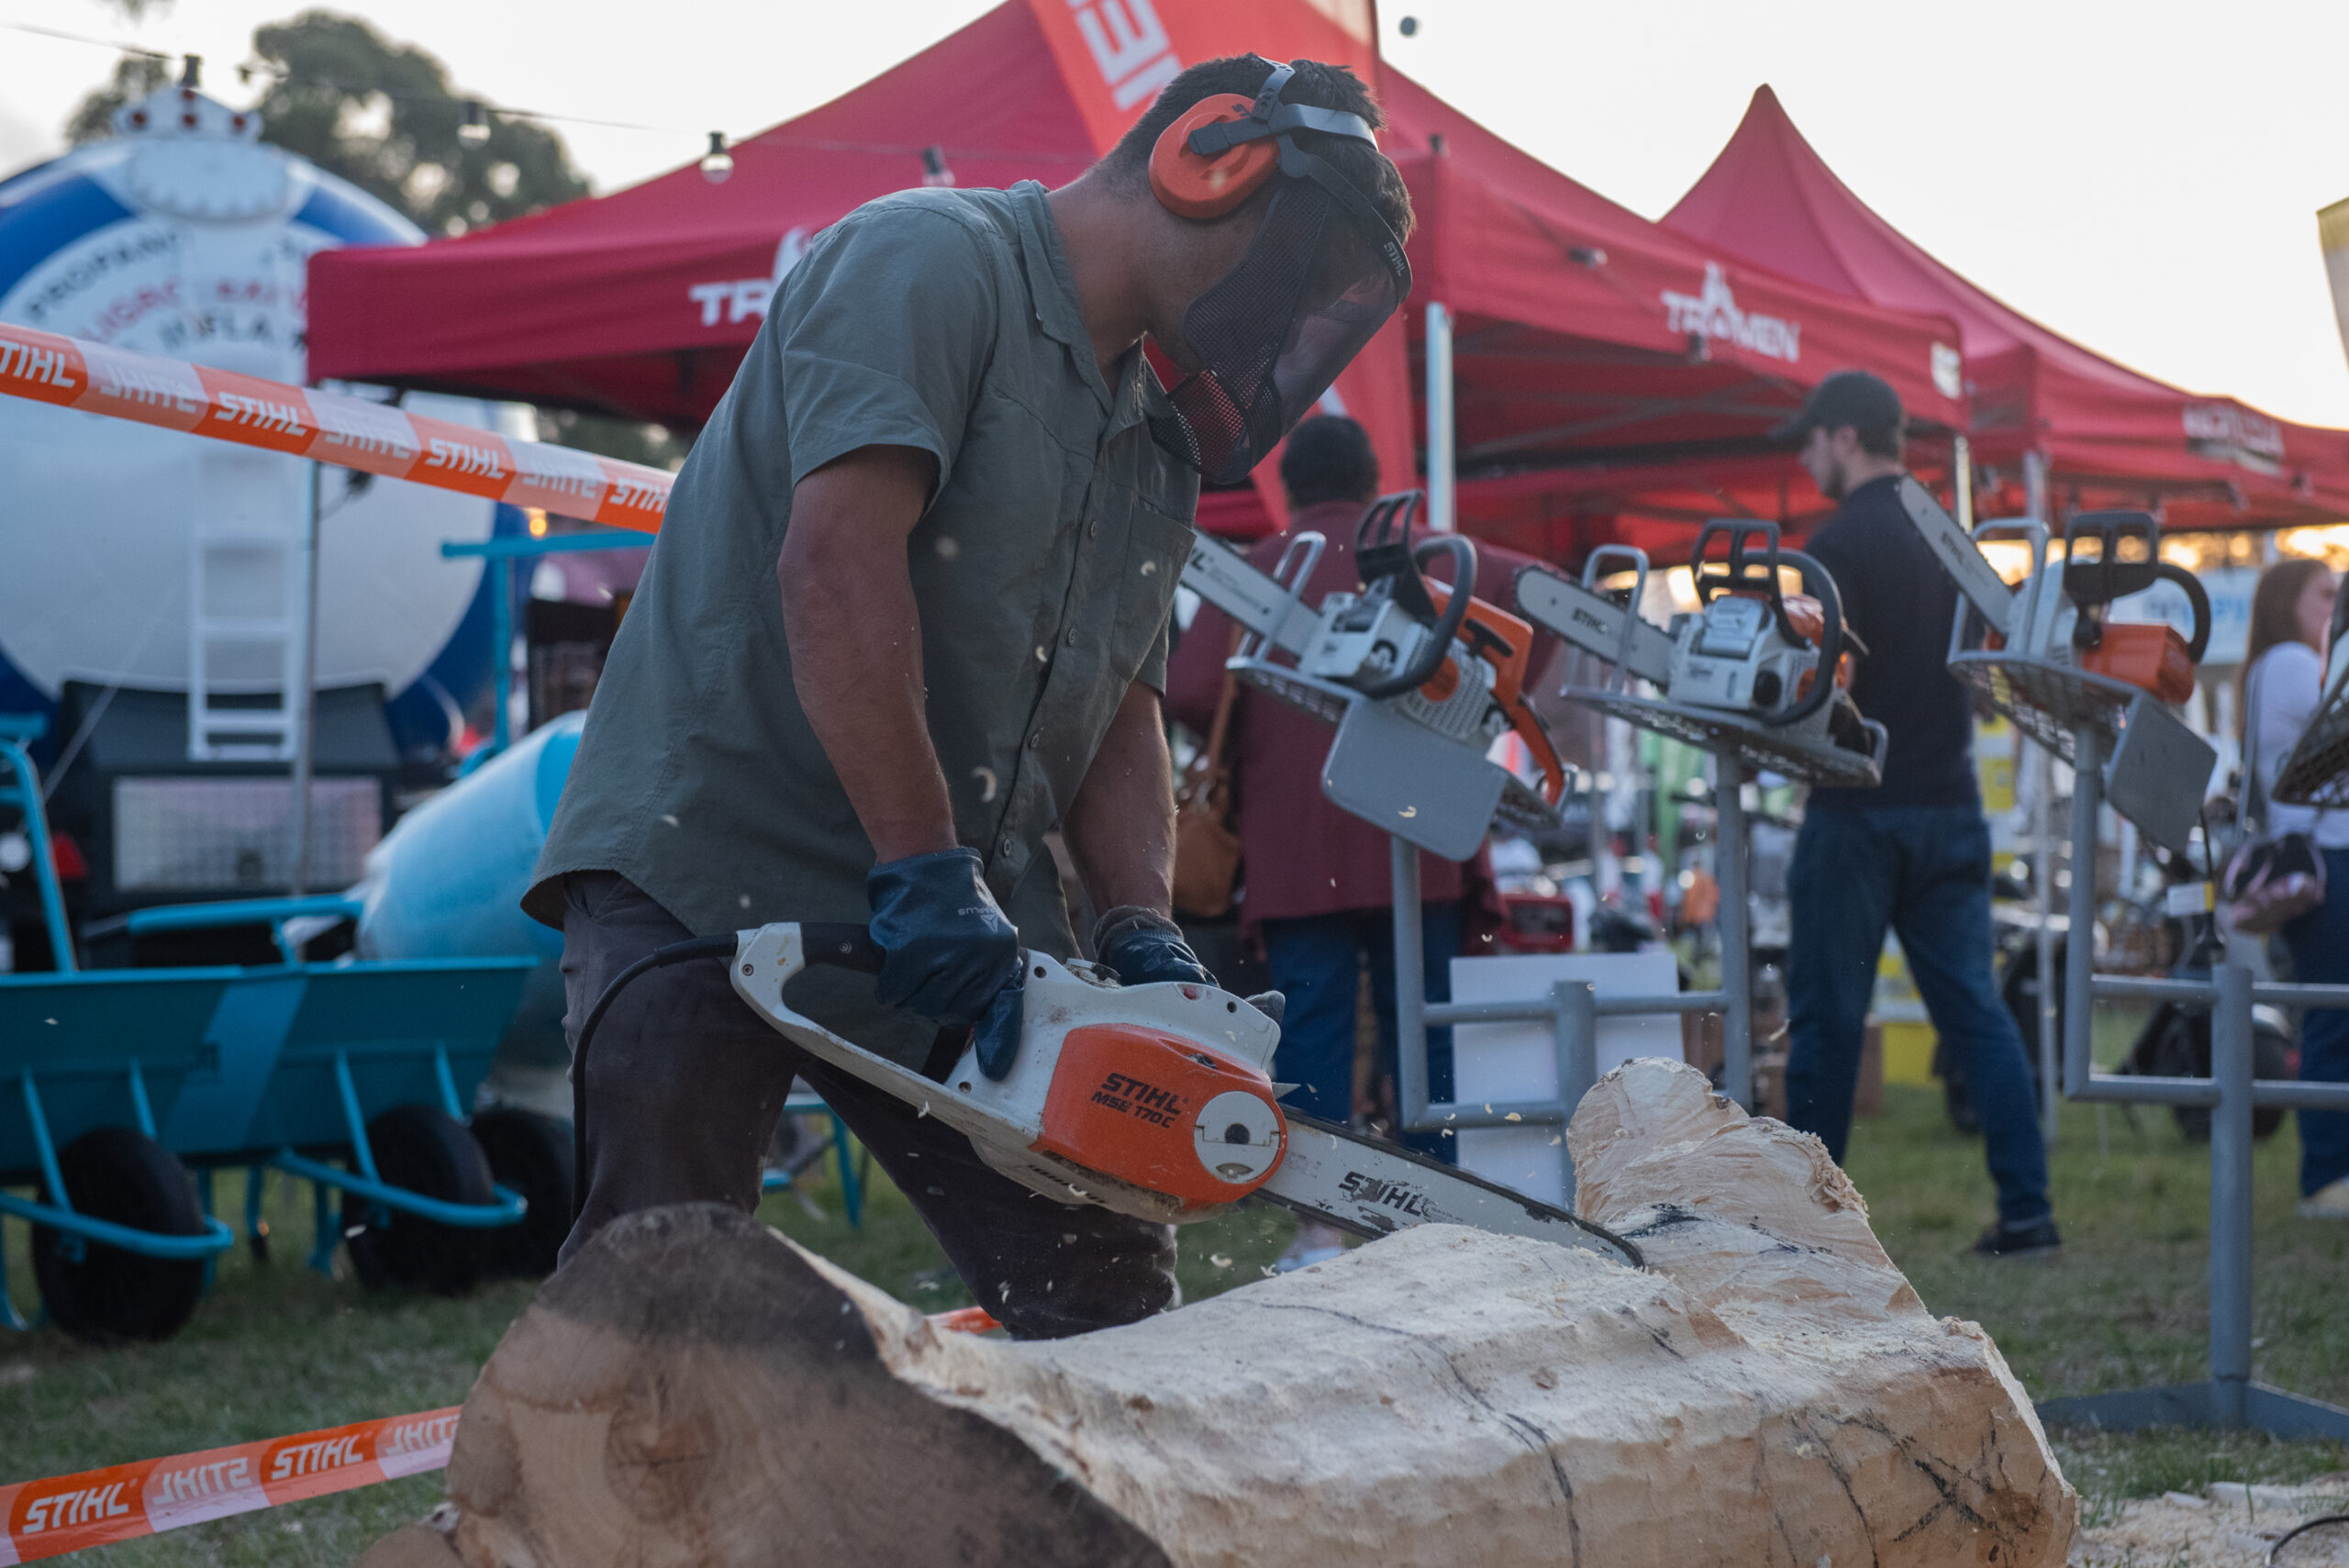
{"x": 474, "y": 132}
{"x": 716, "y": 163}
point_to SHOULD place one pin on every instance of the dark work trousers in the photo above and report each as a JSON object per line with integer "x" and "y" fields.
{"x": 684, "y": 1084}
{"x": 2319, "y": 945}
{"x": 1315, "y": 962}
{"x": 1925, "y": 872}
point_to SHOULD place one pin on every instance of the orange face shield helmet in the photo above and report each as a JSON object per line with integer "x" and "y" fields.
{"x": 1323, "y": 275}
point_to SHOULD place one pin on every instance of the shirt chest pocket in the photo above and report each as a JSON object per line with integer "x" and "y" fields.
{"x": 1152, "y": 564}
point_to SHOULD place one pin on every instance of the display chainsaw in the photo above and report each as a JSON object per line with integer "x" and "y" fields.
{"x": 1754, "y": 671}
{"x": 2048, "y": 657}
{"x": 1420, "y": 679}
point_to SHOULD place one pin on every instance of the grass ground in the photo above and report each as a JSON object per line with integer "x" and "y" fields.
{"x": 278, "y": 1348}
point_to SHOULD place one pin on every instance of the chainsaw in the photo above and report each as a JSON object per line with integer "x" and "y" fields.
{"x": 1420, "y": 679}
{"x": 1150, "y": 1100}
{"x": 2048, "y": 657}
{"x": 1753, "y": 667}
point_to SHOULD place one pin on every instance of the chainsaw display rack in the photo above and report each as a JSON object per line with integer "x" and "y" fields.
{"x": 1724, "y": 734}
{"x": 2227, "y": 1398}
{"x": 2048, "y": 701}
{"x": 1572, "y": 1008}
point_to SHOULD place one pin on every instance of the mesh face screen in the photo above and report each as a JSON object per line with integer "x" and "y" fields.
{"x": 1275, "y": 334}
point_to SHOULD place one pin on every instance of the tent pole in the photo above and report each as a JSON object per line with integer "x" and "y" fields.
{"x": 1962, "y": 461}
{"x": 304, "y": 699}
{"x": 2051, "y": 1077}
{"x": 1442, "y": 515}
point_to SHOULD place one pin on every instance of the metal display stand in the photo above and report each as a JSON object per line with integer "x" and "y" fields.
{"x": 1572, "y": 1008}
{"x": 2229, "y": 1398}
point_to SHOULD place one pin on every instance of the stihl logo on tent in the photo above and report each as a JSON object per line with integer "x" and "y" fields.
{"x": 1128, "y": 45}
{"x": 1949, "y": 371}
{"x": 746, "y": 299}
{"x": 2231, "y": 433}
{"x": 1714, "y": 313}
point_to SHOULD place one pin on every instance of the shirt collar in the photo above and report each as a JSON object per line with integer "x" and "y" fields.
{"x": 1053, "y": 286}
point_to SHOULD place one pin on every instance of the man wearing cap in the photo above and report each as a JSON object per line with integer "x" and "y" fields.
{"x": 1913, "y": 853}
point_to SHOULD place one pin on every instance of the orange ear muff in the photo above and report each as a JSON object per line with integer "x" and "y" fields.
{"x": 1192, "y": 186}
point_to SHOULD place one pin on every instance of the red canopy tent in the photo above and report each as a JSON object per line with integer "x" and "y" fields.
{"x": 2110, "y": 435}
{"x": 1594, "y": 349}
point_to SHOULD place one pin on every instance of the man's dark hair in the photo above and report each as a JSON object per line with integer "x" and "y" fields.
{"x": 1328, "y": 458}
{"x": 1322, "y": 86}
{"x": 1879, "y": 442}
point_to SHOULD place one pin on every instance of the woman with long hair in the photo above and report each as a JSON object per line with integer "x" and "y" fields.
{"x": 2282, "y": 682}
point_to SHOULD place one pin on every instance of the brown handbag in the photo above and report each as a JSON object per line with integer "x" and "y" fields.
{"x": 1207, "y": 847}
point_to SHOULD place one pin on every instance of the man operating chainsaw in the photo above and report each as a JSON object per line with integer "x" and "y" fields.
{"x": 1913, "y": 853}
{"x": 909, "y": 610}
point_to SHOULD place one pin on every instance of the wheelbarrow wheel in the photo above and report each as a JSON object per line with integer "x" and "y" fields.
{"x": 532, "y": 1155}
{"x": 107, "y": 1294}
{"x": 423, "y": 1150}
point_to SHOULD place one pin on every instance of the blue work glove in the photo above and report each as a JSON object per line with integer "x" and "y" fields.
{"x": 1145, "y": 947}
{"x": 948, "y": 952}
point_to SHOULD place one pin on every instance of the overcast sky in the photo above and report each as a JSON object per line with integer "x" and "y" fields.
{"x": 2142, "y": 177}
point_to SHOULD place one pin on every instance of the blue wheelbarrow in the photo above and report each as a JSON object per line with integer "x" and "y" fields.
{"x": 90, "y": 1061}
{"x": 121, "y": 1072}
{"x": 368, "y": 1064}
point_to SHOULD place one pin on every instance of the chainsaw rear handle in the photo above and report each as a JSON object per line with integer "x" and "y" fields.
{"x": 1448, "y": 622}
{"x": 841, "y": 944}
{"x": 2092, "y": 585}
{"x": 1820, "y": 583}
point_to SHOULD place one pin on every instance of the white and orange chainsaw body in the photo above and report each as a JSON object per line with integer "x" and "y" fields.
{"x": 1151, "y": 1100}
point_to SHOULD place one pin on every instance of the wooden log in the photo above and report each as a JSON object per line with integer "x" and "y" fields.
{"x": 695, "y": 1389}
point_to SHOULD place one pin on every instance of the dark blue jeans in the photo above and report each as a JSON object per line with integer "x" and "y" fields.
{"x": 1925, "y": 872}
{"x": 2320, "y": 944}
{"x": 1313, "y": 960}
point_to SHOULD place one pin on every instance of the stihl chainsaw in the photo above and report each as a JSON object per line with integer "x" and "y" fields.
{"x": 1754, "y": 667}
{"x": 1151, "y": 1100}
{"x": 1420, "y": 679}
{"x": 2048, "y": 657}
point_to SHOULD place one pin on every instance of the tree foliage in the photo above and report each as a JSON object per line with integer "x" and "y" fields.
{"x": 381, "y": 114}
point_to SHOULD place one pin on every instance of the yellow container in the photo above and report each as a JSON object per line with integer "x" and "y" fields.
{"x": 1907, "y": 1052}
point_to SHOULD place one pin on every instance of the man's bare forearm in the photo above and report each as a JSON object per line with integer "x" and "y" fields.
{"x": 855, "y": 637}
{"x": 1120, "y": 828}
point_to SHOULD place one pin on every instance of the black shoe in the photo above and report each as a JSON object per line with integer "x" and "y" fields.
{"x": 2033, "y": 1238}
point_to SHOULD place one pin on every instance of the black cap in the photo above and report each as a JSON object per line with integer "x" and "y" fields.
{"x": 1866, "y": 403}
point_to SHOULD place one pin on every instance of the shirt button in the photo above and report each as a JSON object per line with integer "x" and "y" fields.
{"x": 1035, "y": 739}
{"x": 1094, "y": 527}
{"x": 1004, "y": 848}
{"x": 1071, "y": 638}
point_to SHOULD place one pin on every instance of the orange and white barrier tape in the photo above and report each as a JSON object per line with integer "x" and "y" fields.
{"x": 97, "y": 1507}
{"x": 147, "y": 1496}
{"x": 329, "y": 427}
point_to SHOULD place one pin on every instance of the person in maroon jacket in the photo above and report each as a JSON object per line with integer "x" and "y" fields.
{"x": 1316, "y": 881}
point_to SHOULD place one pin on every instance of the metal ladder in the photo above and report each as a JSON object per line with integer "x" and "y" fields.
{"x": 245, "y": 620}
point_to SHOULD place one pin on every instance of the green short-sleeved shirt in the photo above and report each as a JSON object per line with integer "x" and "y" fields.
{"x": 1044, "y": 573}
